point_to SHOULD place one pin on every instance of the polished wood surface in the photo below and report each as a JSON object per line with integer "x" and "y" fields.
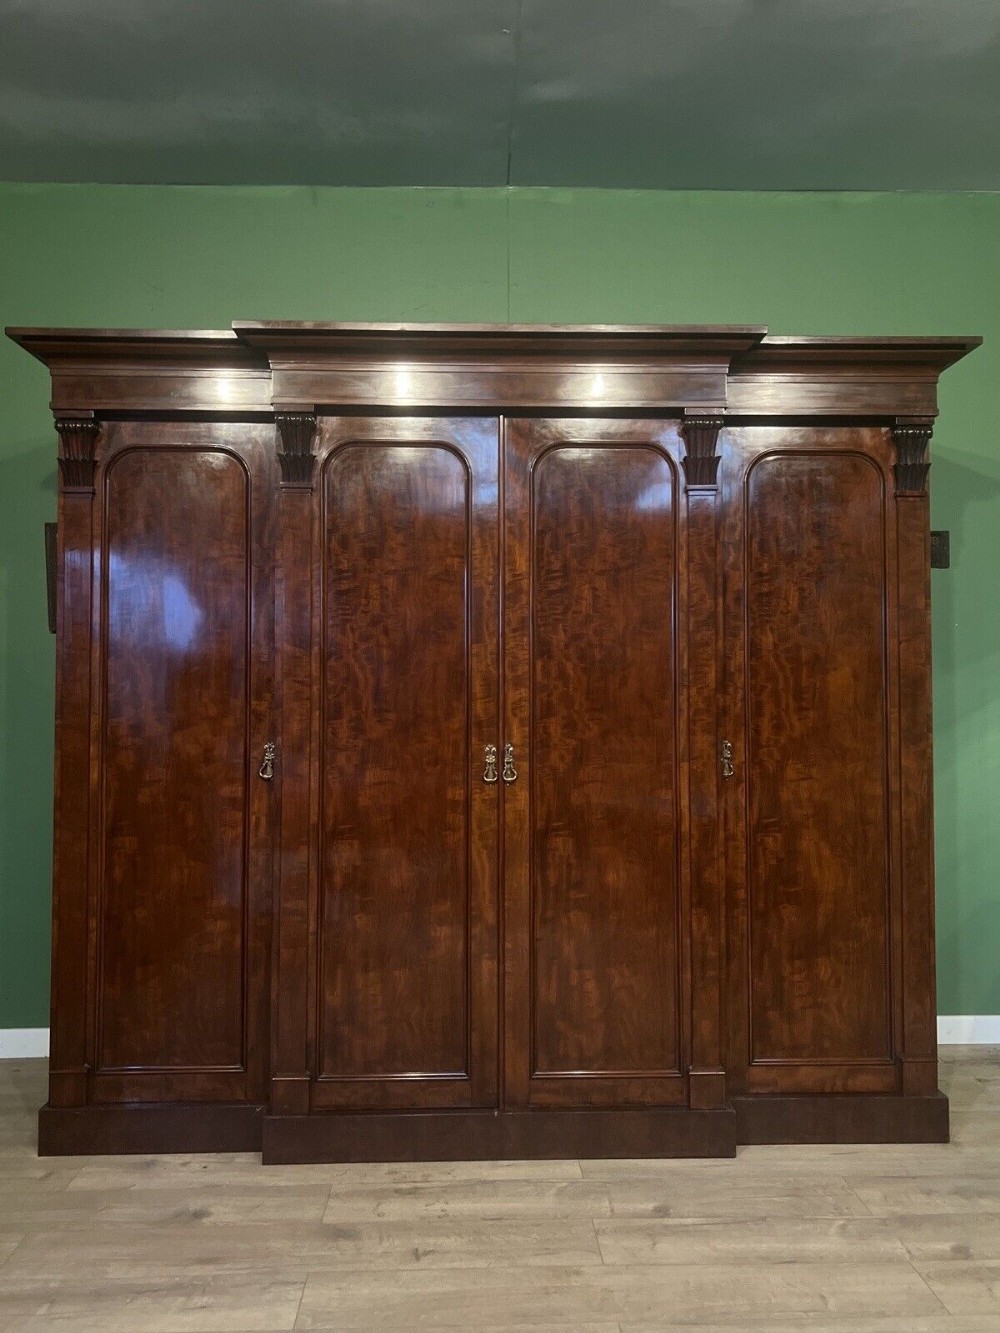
{"x": 181, "y": 866}
{"x": 395, "y": 763}
{"x": 71, "y": 925}
{"x": 407, "y": 893}
{"x": 175, "y": 779}
{"x": 151, "y": 370}
{"x": 917, "y": 1022}
{"x": 310, "y": 575}
{"x": 841, "y": 377}
{"x": 592, "y": 883}
{"x": 887, "y": 1238}
{"x": 842, "y": 1118}
{"x": 500, "y": 1135}
{"x": 263, "y": 366}
{"x": 490, "y": 366}
{"x": 701, "y": 747}
{"x": 816, "y": 762}
{"x": 294, "y": 602}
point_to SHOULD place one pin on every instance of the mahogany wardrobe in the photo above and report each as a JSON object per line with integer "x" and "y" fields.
{"x": 491, "y": 741}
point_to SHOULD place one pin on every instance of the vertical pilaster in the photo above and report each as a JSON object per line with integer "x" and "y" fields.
{"x": 911, "y": 438}
{"x": 702, "y": 602}
{"x": 68, "y": 1062}
{"x": 293, "y": 630}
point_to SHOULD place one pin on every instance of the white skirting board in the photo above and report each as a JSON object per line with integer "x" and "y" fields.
{"x": 969, "y": 1029}
{"x": 953, "y": 1030}
{"x": 23, "y": 1043}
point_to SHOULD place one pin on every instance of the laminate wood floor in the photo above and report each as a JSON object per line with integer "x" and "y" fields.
{"x": 886, "y": 1239}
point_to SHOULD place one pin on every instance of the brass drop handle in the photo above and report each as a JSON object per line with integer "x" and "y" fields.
{"x": 490, "y": 754}
{"x": 726, "y": 756}
{"x": 509, "y": 771}
{"x": 266, "y": 770}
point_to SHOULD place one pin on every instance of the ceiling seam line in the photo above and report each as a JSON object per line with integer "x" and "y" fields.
{"x": 512, "y": 102}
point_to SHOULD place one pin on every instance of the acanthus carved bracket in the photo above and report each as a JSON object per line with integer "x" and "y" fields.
{"x": 78, "y": 452}
{"x": 297, "y": 435}
{"x": 912, "y": 464}
{"x": 700, "y": 462}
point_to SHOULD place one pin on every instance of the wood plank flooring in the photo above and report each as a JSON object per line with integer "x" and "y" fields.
{"x": 881, "y": 1239}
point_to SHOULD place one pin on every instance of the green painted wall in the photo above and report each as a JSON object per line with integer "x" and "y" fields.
{"x": 819, "y": 263}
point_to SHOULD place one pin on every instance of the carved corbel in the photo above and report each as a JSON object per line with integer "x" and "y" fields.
{"x": 296, "y": 457}
{"x": 700, "y": 462}
{"x": 910, "y": 440}
{"x": 78, "y": 452}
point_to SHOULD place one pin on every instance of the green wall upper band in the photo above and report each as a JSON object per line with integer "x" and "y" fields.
{"x": 189, "y": 257}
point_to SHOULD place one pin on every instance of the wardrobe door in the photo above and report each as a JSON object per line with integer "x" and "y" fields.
{"x": 181, "y": 848}
{"x": 813, "y": 952}
{"x": 593, "y": 947}
{"x": 405, "y": 968}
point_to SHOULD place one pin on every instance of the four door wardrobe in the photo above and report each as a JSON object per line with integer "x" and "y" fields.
{"x": 491, "y": 741}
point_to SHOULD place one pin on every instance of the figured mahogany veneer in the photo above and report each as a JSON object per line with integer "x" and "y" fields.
{"x": 491, "y": 740}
